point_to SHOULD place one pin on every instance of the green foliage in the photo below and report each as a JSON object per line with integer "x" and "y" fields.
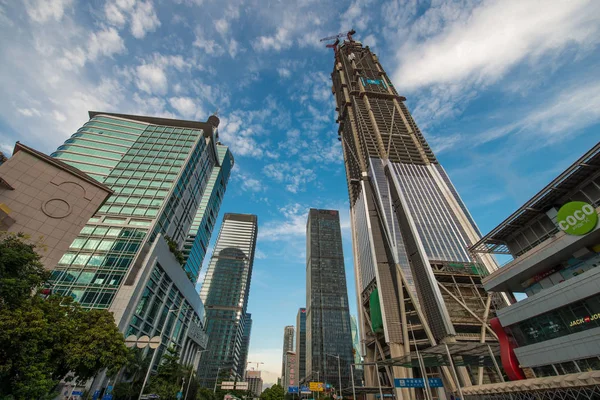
{"x": 41, "y": 340}
{"x": 21, "y": 271}
{"x": 205, "y": 394}
{"x": 176, "y": 252}
{"x": 275, "y": 392}
{"x": 168, "y": 379}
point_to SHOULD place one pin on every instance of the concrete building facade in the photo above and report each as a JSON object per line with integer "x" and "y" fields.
{"x": 46, "y": 199}
{"x": 255, "y": 383}
{"x": 554, "y": 242}
{"x": 288, "y": 345}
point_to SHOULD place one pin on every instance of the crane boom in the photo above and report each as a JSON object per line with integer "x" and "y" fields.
{"x": 339, "y": 35}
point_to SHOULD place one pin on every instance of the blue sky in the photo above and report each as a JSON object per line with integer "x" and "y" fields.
{"x": 506, "y": 92}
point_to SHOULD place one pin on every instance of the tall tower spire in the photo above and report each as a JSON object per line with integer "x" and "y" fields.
{"x": 410, "y": 228}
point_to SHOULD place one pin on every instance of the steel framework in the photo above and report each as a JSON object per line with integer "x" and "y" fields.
{"x": 571, "y": 393}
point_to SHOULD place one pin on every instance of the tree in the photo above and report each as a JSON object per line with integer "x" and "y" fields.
{"x": 43, "y": 340}
{"x": 21, "y": 271}
{"x": 275, "y": 392}
{"x": 205, "y": 394}
{"x": 169, "y": 375}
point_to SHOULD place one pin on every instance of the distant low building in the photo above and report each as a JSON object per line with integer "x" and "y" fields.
{"x": 255, "y": 382}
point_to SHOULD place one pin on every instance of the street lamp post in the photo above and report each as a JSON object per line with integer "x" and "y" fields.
{"x": 339, "y": 371}
{"x": 198, "y": 352}
{"x": 216, "y": 380}
{"x": 154, "y": 356}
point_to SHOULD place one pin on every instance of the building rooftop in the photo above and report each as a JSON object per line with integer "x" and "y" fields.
{"x": 180, "y": 123}
{"x": 62, "y": 165}
{"x": 565, "y": 183}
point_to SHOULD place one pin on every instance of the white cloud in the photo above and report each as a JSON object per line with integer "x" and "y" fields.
{"x": 29, "y": 112}
{"x": 284, "y": 72}
{"x": 151, "y": 78}
{"x": 142, "y": 15}
{"x": 143, "y": 19}
{"x": 60, "y": 117}
{"x": 186, "y": 106}
{"x": 105, "y": 42}
{"x": 294, "y": 224}
{"x": 44, "y": 10}
{"x": 491, "y": 39}
{"x": 279, "y": 41}
{"x": 234, "y": 48}
{"x": 222, "y": 26}
{"x": 114, "y": 14}
{"x": 294, "y": 176}
{"x": 208, "y": 45}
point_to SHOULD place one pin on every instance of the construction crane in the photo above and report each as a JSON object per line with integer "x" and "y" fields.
{"x": 255, "y": 362}
{"x": 337, "y": 37}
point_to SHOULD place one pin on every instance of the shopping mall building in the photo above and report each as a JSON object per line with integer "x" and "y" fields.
{"x": 554, "y": 240}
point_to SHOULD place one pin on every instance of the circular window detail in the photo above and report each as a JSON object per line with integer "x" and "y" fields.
{"x": 56, "y": 208}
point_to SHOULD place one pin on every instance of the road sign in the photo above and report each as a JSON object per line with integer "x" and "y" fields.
{"x": 76, "y": 393}
{"x": 107, "y": 397}
{"x": 417, "y": 383}
{"x": 96, "y": 395}
{"x": 109, "y": 389}
{"x": 304, "y": 390}
{"x": 179, "y": 395}
{"x": 293, "y": 389}
{"x": 241, "y": 386}
{"x": 315, "y": 386}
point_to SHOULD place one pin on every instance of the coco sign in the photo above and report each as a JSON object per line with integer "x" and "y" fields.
{"x": 577, "y": 218}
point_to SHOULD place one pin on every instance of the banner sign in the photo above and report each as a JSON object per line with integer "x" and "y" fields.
{"x": 316, "y": 386}
{"x": 417, "y": 383}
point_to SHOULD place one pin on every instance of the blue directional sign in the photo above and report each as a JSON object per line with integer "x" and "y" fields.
{"x": 77, "y": 393}
{"x": 107, "y": 397}
{"x": 179, "y": 395}
{"x": 417, "y": 383}
{"x": 96, "y": 395}
{"x": 304, "y": 390}
{"x": 293, "y": 389}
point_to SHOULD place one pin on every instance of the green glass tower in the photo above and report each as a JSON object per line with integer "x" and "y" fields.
{"x": 128, "y": 257}
{"x": 203, "y": 225}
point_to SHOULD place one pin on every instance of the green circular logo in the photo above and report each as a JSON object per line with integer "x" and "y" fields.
{"x": 577, "y": 218}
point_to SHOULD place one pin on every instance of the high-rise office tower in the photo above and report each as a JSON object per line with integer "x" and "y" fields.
{"x": 245, "y": 344}
{"x": 288, "y": 345}
{"x": 127, "y": 257}
{"x": 416, "y": 283}
{"x": 301, "y": 343}
{"x": 225, "y": 295}
{"x": 202, "y": 227}
{"x": 328, "y": 334}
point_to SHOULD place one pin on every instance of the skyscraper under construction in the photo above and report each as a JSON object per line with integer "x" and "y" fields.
{"x": 418, "y": 286}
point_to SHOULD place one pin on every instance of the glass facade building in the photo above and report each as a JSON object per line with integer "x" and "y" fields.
{"x": 225, "y": 292}
{"x": 328, "y": 332}
{"x": 301, "y": 343}
{"x": 416, "y": 282}
{"x": 159, "y": 170}
{"x": 245, "y": 344}
{"x": 204, "y": 222}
